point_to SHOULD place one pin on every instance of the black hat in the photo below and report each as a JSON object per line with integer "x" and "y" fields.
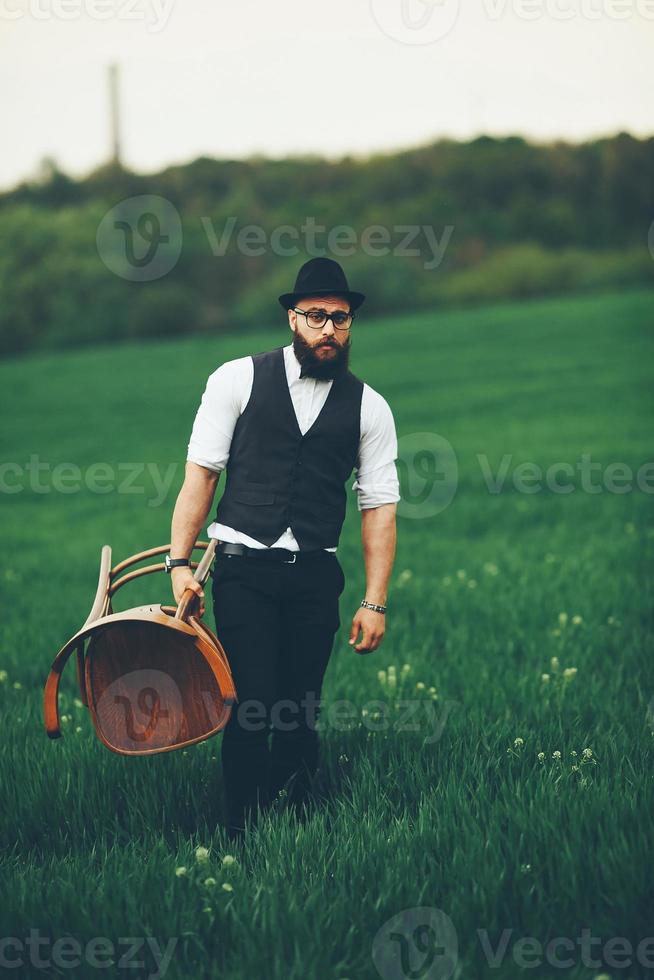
{"x": 321, "y": 277}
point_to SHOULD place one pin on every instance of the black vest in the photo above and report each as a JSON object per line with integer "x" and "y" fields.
{"x": 278, "y": 478}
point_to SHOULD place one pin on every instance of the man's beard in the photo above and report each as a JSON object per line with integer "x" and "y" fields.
{"x": 321, "y": 366}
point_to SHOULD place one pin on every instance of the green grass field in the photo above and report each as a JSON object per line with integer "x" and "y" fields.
{"x": 456, "y": 817}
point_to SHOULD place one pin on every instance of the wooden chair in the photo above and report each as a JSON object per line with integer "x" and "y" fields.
{"x": 154, "y": 678}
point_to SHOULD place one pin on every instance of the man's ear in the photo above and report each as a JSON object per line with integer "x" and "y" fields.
{"x": 292, "y": 317}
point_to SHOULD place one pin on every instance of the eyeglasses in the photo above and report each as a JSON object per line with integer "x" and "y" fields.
{"x": 316, "y": 319}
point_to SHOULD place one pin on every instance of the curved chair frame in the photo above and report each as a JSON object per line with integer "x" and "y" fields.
{"x": 180, "y": 618}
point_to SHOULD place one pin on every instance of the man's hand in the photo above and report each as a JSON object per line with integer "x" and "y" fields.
{"x": 373, "y": 626}
{"x": 182, "y": 579}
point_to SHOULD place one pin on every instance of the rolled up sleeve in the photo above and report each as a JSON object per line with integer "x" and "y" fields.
{"x": 377, "y": 481}
{"x": 213, "y": 427}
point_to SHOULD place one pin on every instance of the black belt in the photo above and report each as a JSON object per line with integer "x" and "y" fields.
{"x": 267, "y": 554}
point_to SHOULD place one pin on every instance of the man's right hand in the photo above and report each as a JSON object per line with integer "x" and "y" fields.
{"x": 182, "y": 579}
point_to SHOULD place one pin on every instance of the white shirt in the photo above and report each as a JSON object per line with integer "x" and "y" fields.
{"x": 226, "y": 394}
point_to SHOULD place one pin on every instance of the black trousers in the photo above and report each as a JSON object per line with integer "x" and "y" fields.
{"x": 276, "y": 621}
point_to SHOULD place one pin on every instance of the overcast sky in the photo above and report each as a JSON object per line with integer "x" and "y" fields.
{"x": 233, "y": 77}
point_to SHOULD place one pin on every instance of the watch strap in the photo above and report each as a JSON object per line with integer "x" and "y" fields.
{"x": 171, "y": 563}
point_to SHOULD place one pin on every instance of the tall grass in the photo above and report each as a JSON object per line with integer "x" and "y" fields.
{"x": 474, "y": 813}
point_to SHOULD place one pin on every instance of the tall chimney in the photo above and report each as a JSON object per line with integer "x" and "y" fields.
{"x": 115, "y": 114}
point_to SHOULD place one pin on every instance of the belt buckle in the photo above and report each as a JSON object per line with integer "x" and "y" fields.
{"x": 290, "y": 561}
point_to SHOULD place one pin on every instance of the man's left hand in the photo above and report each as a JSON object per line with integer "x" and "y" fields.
{"x": 373, "y": 626}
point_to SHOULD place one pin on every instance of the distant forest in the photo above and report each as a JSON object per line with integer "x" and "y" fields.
{"x": 446, "y": 224}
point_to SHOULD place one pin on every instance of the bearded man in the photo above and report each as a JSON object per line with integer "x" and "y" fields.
{"x": 288, "y": 425}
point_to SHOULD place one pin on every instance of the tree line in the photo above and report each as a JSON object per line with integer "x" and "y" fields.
{"x": 443, "y": 224}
